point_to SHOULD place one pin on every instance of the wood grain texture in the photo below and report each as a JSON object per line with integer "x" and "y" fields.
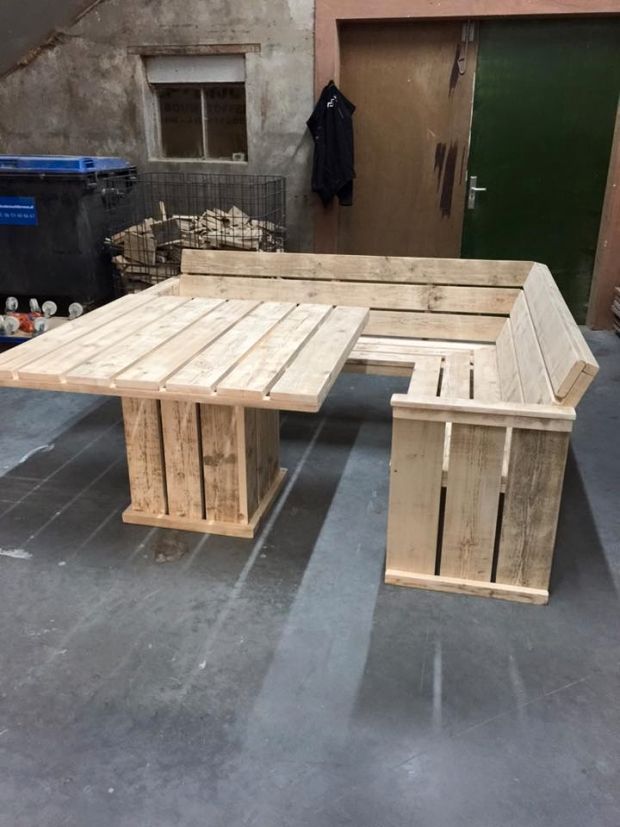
{"x": 531, "y": 507}
{"x": 182, "y": 454}
{"x": 532, "y": 369}
{"x": 486, "y": 380}
{"x": 456, "y": 378}
{"x": 145, "y": 455}
{"x": 327, "y": 267}
{"x": 507, "y": 365}
{"x": 312, "y": 372}
{"x": 221, "y": 428}
{"x": 460, "y": 585}
{"x": 415, "y": 489}
{"x": 472, "y": 501}
{"x": 563, "y": 347}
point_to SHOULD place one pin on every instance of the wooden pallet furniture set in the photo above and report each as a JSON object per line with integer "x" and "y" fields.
{"x": 497, "y": 366}
{"x": 204, "y": 363}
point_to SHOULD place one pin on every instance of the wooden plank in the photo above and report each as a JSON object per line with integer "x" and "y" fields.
{"x": 153, "y": 370}
{"x": 311, "y": 373}
{"x": 434, "y": 325}
{"x": 245, "y": 530}
{"x": 268, "y": 449}
{"x": 393, "y": 296}
{"x": 564, "y": 349}
{"x": 456, "y": 378}
{"x": 415, "y": 492}
{"x": 18, "y": 357}
{"x": 254, "y": 375}
{"x": 390, "y": 269}
{"x": 486, "y": 375}
{"x": 248, "y": 462}
{"x": 473, "y": 412}
{"x": 425, "y": 376}
{"x": 507, "y": 366}
{"x": 220, "y": 427}
{"x": 472, "y": 501}
{"x": 531, "y": 508}
{"x": 103, "y": 367}
{"x": 145, "y": 455}
{"x": 459, "y": 585}
{"x": 182, "y": 453}
{"x": 210, "y": 366}
{"x": 53, "y": 366}
{"x": 532, "y": 370}
{"x": 473, "y": 299}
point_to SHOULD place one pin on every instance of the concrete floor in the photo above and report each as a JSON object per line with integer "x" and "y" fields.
{"x": 280, "y": 682}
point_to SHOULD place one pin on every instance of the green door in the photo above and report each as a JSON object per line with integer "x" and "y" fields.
{"x": 543, "y": 120}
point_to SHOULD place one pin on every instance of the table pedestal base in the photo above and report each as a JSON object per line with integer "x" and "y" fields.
{"x": 207, "y": 468}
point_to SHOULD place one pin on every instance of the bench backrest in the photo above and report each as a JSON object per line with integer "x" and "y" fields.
{"x": 541, "y": 353}
{"x": 456, "y": 299}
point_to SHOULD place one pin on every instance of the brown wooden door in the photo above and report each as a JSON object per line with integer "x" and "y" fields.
{"x": 412, "y": 84}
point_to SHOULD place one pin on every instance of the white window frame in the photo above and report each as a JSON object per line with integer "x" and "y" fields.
{"x": 192, "y": 71}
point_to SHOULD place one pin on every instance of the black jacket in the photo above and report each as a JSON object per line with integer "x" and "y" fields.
{"x": 331, "y": 126}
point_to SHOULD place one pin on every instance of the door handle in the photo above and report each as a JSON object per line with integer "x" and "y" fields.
{"x": 472, "y": 190}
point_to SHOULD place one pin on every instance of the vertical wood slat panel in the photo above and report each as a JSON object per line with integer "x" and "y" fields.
{"x": 472, "y": 501}
{"x": 221, "y": 426}
{"x": 415, "y": 490}
{"x": 182, "y": 453}
{"x": 268, "y": 449}
{"x": 147, "y": 478}
{"x": 531, "y": 507}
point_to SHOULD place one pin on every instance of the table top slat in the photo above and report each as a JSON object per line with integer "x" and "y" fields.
{"x": 254, "y": 375}
{"x": 205, "y": 371}
{"x": 152, "y": 371}
{"x": 102, "y": 368}
{"x": 311, "y": 374}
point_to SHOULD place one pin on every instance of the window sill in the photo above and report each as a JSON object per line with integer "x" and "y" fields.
{"x": 219, "y": 161}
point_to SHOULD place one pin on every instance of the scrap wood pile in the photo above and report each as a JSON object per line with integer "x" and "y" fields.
{"x": 150, "y": 252}
{"x": 615, "y": 309}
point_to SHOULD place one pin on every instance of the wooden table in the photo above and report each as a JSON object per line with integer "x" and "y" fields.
{"x": 202, "y": 382}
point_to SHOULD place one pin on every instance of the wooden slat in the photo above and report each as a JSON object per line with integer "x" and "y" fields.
{"x": 415, "y": 489}
{"x": 182, "y": 452}
{"x": 53, "y": 366}
{"x": 456, "y": 378}
{"x": 459, "y": 585}
{"x": 473, "y": 299}
{"x": 434, "y": 325}
{"x": 486, "y": 375}
{"x": 311, "y": 373}
{"x": 206, "y": 369}
{"x": 391, "y": 296}
{"x": 221, "y": 451}
{"x": 564, "y": 349}
{"x": 356, "y": 268}
{"x": 425, "y": 376}
{"x": 472, "y": 501}
{"x": 102, "y": 368}
{"x": 473, "y": 412}
{"x": 145, "y": 455}
{"x": 40, "y": 346}
{"x": 531, "y": 507}
{"x": 532, "y": 370}
{"x": 254, "y": 375}
{"x": 268, "y": 449}
{"x": 153, "y": 370}
{"x": 507, "y": 366}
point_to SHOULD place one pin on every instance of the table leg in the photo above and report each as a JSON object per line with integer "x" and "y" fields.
{"x": 209, "y": 468}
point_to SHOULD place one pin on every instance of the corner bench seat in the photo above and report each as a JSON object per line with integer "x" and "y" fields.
{"x": 480, "y": 438}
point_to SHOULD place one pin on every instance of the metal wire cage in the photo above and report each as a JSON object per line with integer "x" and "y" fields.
{"x": 154, "y": 216}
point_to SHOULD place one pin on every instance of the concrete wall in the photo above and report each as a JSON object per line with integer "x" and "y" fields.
{"x": 86, "y": 95}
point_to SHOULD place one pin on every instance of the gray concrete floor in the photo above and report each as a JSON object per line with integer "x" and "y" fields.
{"x": 279, "y": 682}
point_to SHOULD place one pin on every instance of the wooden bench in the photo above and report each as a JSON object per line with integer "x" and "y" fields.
{"x": 497, "y": 365}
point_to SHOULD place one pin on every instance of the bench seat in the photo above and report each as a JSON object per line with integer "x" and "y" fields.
{"x": 496, "y": 364}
